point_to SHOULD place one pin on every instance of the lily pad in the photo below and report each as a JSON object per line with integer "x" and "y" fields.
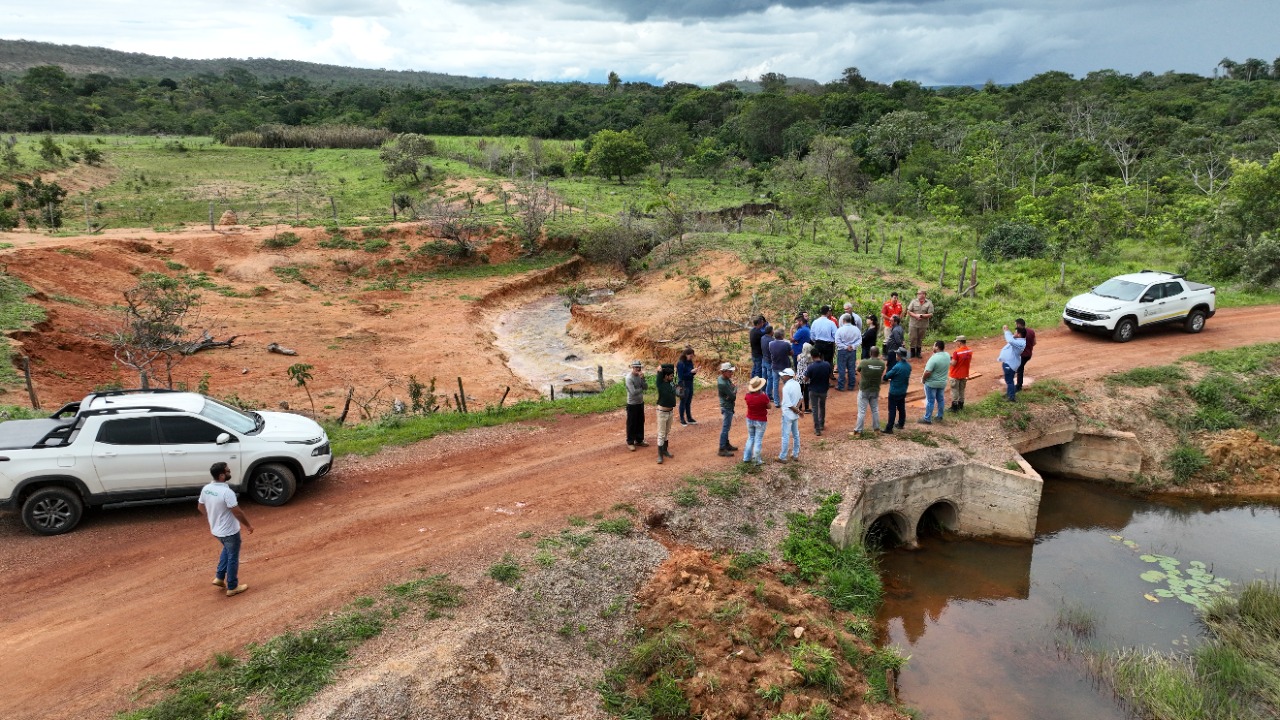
{"x": 1153, "y": 576}
{"x": 1163, "y": 593}
{"x": 1149, "y": 558}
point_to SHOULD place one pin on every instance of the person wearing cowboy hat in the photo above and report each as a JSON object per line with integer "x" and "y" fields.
{"x": 728, "y": 392}
{"x": 757, "y": 403}
{"x": 636, "y": 385}
{"x": 790, "y": 415}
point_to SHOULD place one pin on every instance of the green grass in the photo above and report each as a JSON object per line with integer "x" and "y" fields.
{"x": 369, "y": 438}
{"x": 1234, "y": 674}
{"x": 848, "y": 577}
{"x": 664, "y": 659}
{"x": 280, "y": 675}
{"x": 15, "y": 314}
{"x": 1148, "y": 376}
{"x": 507, "y": 570}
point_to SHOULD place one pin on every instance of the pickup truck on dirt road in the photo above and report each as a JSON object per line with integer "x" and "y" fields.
{"x": 1124, "y": 303}
{"x": 145, "y": 446}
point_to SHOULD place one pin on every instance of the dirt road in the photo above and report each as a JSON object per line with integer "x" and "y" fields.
{"x": 88, "y": 616}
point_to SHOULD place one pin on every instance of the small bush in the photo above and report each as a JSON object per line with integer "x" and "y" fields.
{"x": 507, "y": 570}
{"x": 283, "y": 240}
{"x": 617, "y": 526}
{"x": 1185, "y": 461}
{"x": 1012, "y": 240}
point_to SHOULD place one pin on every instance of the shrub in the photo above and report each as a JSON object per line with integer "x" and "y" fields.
{"x": 507, "y": 570}
{"x": 283, "y": 240}
{"x": 1011, "y": 240}
{"x": 1185, "y": 461}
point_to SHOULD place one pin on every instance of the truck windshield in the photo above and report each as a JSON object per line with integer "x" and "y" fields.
{"x": 229, "y": 416}
{"x": 1119, "y": 289}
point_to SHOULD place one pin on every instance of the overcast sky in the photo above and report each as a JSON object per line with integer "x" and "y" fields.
{"x": 934, "y": 42}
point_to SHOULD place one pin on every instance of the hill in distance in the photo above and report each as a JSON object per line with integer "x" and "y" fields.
{"x": 18, "y": 56}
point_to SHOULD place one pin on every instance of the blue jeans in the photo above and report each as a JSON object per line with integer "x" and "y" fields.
{"x": 897, "y": 411}
{"x": 686, "y": 401}
{"x": 755, "y": 437}
{"x": 229, "y": 561}
{"x": 757, "y": 364}
{"x": 725, "y": 424}
{"x": 844, "y": 362}
{"x": 790, "y": 431}
{"x": 1011, "y": 388}
{"x": 770, "y": 380}
{"x": 932, "y": 397}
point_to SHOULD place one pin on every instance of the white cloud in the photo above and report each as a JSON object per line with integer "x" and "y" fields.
{"x": 929, "y": 41}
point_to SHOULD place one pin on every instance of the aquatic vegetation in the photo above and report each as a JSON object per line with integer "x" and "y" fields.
{"x": 1195, "y": 585}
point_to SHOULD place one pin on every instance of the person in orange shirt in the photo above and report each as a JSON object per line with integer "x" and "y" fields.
{"x": 959, "y": 372}
{"x": 891, "y": 309}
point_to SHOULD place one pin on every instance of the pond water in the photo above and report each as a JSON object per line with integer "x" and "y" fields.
{"x": 540, "y": 349}
{"x": 981, "y": 620}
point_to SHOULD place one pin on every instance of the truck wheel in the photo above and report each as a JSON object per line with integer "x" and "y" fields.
{"x": 52, "y": 511}
{"x": 1124, "y": 330}
{"x": 1195, "y": 321}
{"x": 272, "y": 484}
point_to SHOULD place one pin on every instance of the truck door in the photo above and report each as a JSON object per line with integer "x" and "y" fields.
{"x": 190, "y": 446}
{"x": 126, "y": 457}
{"x": 1151, "y": 304}
{"x": 1177, "y": 301}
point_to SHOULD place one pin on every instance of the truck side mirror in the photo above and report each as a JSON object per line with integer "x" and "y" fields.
{"x": 223, "y": 438}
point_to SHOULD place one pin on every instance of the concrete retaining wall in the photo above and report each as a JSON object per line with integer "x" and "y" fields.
{"x": 1088, "y": 454}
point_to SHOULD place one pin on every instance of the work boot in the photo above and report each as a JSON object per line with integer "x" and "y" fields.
{"x": 725, "y": 452}
{"x": 961, "y": 405}
{"x": 666, "y": 451}
{"x": 659, "y": 453}
{"x": 237, "y": 590}
{"x": 954, "y": 406}
{"x": 730, "y": 448}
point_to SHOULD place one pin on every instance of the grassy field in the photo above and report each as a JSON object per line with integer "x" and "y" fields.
{"x": 162, "y": 182}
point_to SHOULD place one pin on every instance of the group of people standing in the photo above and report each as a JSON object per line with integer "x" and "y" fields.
{"x": 793, "y": 371}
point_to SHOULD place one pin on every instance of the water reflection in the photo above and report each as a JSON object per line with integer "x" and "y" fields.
{"x": 979, "y": 619}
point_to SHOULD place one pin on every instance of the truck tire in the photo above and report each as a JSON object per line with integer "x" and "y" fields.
{"x": 52, "y": 511}
{"x": 1124, "y": 330}
{"x": 272, "y": 484}
{"x": 1195, "y": 321}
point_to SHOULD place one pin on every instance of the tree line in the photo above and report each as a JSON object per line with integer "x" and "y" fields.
{"x": 1056, "y": 164}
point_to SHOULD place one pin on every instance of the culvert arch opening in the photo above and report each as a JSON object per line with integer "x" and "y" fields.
{"x": 889, "y": 530}
{"x": 938, "y": 520}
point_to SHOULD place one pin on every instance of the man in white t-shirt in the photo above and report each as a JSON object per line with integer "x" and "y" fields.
{"x": 218, "y": 503}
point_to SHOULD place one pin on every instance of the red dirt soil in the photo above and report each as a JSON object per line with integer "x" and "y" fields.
{"x": 89, "y": 615}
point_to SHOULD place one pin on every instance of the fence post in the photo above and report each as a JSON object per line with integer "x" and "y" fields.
{"x": 462, "y": 394}
{"x": 942, "y": 276}
{"x": 31, "y": 388}
{"x": 393, "y": 207}
{"x": 600, "y": 376}
{"x": 920, "y": 256}
{"x": 973, "y": 287}
{"x": 333, "y": 206}
{"x": 1062, "y": 276}
{"x": 211, "y": 227}
{"x": 899, "y": 262}
{"x": 88, "y": 226}
{"x": 964, "y": 273}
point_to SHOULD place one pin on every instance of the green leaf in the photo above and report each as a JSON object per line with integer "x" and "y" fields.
{"x": 1153, "y": 576}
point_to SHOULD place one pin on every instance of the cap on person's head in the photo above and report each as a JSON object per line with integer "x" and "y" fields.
{"x": 902, "y": 351}
{"x": 787, "y": 372}
{"x": 961, "y": 339}
{"x": 756, "y": 385}
{"x": 637, "y": 364}
{"x": 727, "y": 367}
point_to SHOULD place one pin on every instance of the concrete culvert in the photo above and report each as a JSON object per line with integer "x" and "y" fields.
{"x": 888, "y": 530}
{"x": 938, "y": 519}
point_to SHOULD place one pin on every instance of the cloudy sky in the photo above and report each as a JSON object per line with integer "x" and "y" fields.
{"x": 934, "y": 42}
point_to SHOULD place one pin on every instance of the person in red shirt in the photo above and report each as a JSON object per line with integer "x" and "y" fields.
{"x": 1026, "y": 354}
{"x": 959, "y": 372}
{"x": 891, "y": 309}
{"x": 757, "y": 419}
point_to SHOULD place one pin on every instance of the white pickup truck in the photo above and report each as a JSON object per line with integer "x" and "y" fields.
{"x": 1124, "y": 303}
{"x": 131, "y": 447}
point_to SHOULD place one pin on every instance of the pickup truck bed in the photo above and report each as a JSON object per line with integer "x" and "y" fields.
{"x": 23, "y": 434}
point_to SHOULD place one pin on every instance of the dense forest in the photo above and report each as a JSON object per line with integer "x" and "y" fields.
{"x": 1054, "y": 164}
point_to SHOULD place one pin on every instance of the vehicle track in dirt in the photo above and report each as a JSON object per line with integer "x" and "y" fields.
{"x": 90, "y": 615}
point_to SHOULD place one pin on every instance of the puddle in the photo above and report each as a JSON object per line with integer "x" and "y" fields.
{"x": 540, "y": 349}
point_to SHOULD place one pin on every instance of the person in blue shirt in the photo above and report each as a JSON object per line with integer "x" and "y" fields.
{"x": 685, "y": 370}
{"x": 799, "y": 337}
{"x": 1011, "y": 359}
{"x": 899, "y": 377}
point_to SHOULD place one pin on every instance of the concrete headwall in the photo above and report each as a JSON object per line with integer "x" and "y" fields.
{"x": 1082, "y": 453}
{"x": 987, "y": 501}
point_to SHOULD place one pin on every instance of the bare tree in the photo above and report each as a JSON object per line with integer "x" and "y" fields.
{"x": 155, "y": 326}
{"x": 533, "y": 208}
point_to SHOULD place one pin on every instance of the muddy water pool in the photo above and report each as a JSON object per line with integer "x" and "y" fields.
{"x": 540, "y": 349}
{"x": 981, "y": 620}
